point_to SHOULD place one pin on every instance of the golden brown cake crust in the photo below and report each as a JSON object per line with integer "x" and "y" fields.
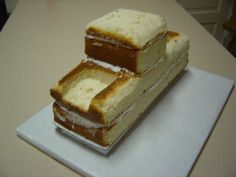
{"x": 84, "y": 65}
{"x": 113, "y": 50}
{"x": 98, "y": 137}
{"x": 111, "y": 53}
{"x": 171, "y": 34}
{"x": 119, "y": 39}
{"x": 57, "y": 92}
{"x": 93, "y": 113}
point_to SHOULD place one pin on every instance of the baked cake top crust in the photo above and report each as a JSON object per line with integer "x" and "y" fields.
{"x": 130, "y": 27}
{"x": 94, "y": 90}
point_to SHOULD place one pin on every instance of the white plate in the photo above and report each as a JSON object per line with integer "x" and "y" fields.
{"x": 165, "y": 143}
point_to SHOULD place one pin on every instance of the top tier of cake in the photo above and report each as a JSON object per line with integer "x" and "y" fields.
{"x": 131, "y": 27}
{"x": 127, "y": 38}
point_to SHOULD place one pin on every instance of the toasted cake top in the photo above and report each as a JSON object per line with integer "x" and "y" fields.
{"x": 95, "y": 90}
{"x": 177, "y": 44}
{"x": 132, "y": 27}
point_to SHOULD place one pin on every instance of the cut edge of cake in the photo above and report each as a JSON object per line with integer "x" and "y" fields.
{"x": 89, "y": 88}
{"x": 177, "y": 45}
{"x": 103, "y": 138}
{"x": 167, "y": 68}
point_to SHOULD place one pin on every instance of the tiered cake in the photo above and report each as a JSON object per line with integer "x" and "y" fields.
{"x": 131, "y": 59}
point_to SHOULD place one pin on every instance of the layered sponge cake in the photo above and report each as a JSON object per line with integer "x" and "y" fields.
{"x": 178, "y": 45}
{"x": 127, "y": 38}
{"x": 100, "y": 99}
{"x": 97, "y": 92}
{"x": 177, "y": 49}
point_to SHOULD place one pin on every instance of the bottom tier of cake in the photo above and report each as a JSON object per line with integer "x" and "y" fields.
{"x": 104, "y": 138}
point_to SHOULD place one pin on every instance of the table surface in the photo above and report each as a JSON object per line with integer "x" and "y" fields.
{"x": 43, "y": 40}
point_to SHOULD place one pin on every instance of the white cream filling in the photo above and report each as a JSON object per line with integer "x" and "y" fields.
{"x": 112, "y": 41}
{"x": 75, "y": 118}
{"x": 119, "y": 69}
{"x": 108, "y": 65}
{"x": 104, "y": 64}
{"x": 60, "y": 117}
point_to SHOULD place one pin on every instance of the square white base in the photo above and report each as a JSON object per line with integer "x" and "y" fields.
{"x": 165, "y": 143}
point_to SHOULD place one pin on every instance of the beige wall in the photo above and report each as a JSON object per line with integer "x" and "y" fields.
{"x": 210, "y": 13}
{"x": 10, "y": 5}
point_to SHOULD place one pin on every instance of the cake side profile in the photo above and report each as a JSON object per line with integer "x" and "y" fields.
{"x": 131, "y": 59}
{"x": 100, "y": 94}
{"x": 127, "y": 38}
{"x": 108, "y": 135}
{"x": 89, "y": 90}
{"x": 149, "y": 85}
{"x": 177, "y": 48}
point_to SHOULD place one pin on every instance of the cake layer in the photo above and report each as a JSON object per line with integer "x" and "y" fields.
{"x": 127, "y": 38}
{"x": 106, "y": 136}
{"x": 177, "y": 45}
{"x": 100, "y": 94}
{"x": 129, "y": 27}
{"x": 88, "y": 95}
{"x": 89, "y": 90}
{"x": 111, "y": 135}
{"x": 132, "y": 59}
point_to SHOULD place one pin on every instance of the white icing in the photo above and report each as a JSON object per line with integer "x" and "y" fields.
{"x": 108, "y": 65}
{"x": 111, "y": 41}
{"x": 77, "y": 119}
{"x": 60, "y": 117}
{"x": 104, "y": 64}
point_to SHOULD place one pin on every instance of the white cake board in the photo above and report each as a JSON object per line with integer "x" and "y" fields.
{"x": 165, "y": 143}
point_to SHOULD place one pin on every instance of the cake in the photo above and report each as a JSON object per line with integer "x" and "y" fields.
{"x": 127, "y": 38}
{"x": 97, "y": 92}
{"x": 101, "y": 98}
{"x": 177, "y": 48}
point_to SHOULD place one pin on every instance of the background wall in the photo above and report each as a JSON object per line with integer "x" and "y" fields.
{"x": 10, "y": 5}
{"x": 210, "y": 13}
